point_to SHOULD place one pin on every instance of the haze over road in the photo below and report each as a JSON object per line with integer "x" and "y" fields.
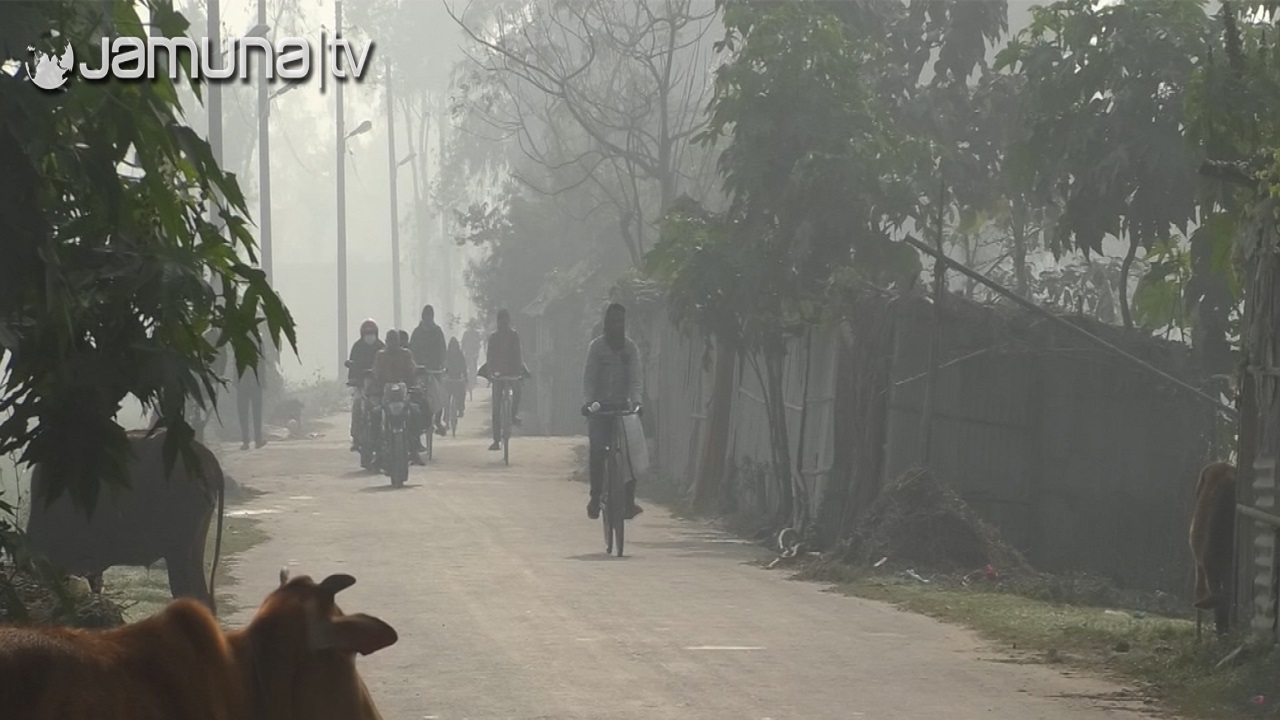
{"x": 507, "y": 607}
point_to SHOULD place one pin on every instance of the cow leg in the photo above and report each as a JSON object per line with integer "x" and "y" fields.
{"x": 1219, "y": 582}
{"x": 1202, "y": 594}
{"x": 186, "y": 574}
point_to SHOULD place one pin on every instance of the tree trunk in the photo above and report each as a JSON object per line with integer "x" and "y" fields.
{"x": 1125, "y": 266}
{"x": 709, "y": 481}
{"x": 1019, "y": 227}
{"x": 1213, "y": 303}
{"x": 800, "y": 484}
{"x": 780, "y": 445}
{"x": 1260, "y": 390}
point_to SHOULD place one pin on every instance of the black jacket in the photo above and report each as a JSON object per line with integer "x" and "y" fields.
{"x": 456, "y": 364}
{"x": 503, "y": 353}
{"x": 428, "y": 346}
{"x": 362, "y": 355}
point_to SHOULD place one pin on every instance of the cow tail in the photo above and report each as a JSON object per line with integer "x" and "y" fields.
{"x": 217, "y": 541}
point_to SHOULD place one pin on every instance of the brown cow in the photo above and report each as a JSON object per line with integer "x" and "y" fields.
{"x": 294, "y": 661}
{"x": 156, "y": 517}
{"x": 1212, "y": 536}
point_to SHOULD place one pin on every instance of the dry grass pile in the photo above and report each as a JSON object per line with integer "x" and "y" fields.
{"x": 918, "y": 522}
{"x": 26, "y": 600}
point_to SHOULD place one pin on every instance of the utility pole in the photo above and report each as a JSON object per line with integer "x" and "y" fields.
{"x": 264, "y": 156}
{"x": 446, "y": 250}
{"x": 342, "y": 201}
{"x": 215, "y": 95}
{"x": 393, "y": 166}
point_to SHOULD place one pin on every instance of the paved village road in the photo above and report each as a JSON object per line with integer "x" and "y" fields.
{"x": 507, "y": 607}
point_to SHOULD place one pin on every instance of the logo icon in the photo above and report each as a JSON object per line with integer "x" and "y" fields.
{"x": 51, "y": 70}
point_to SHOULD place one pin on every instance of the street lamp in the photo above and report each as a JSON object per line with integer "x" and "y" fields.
{"x": 257, "y": 31}
{"x": 361, "y": 129}
{"x": 288, "y": 88}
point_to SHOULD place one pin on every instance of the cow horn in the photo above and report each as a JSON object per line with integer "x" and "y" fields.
{"x": 284, "y": 576}
{"x": 335, "y": 584}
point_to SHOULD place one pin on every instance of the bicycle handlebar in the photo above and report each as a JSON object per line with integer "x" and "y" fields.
{"x": 614, "y": 413}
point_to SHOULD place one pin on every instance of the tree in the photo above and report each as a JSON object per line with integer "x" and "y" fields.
{"x": 806, "y": 150}
{"x": 607, "y": 95}
{"x": 1104, "y": 88}
{"x": 1235, "y": 115}
{"x": 112, "y": 272}
{"x": 530, "y": 239}
{"x": 421, "y": 84}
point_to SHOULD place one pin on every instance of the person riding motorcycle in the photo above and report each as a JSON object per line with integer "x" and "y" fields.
{"x": 363, "y": 353}
{"x": 428, "y": 346}
{"x": 394, "y": 364}
{"x": 418, "y": 400}
{"x": 611, "y": 380}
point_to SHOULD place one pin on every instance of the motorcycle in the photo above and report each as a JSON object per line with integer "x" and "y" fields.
{"x": 366, "y": 417}
{"x": 394, "y": 455}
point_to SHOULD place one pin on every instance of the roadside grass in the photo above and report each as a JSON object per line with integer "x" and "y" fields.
{"x": 1159, "y": 656}
{"x": 320, "y": 398}
{"x": 141, "y": 592}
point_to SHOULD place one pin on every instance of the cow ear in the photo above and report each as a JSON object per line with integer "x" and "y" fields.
{"x": 335, "y": 584}
{"x": 360, "y": 633}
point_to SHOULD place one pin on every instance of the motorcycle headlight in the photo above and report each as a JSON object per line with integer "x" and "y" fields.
{"x": 397, "y": 392}
{"x": 396, "y": 407}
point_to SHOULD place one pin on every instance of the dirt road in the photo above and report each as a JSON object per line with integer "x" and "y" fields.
{"x": 507, "y": 607}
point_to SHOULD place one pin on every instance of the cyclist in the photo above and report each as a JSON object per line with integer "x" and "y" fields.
{"x": 362, "y": 356}
{"x": 394, "y": 364}
{"x": 455, "y": 367}
{"x": 471, "y": 347}
{"x": 611, "y": 380}
{"x": 428, "y": 346}
{"x": 502, "y": 356}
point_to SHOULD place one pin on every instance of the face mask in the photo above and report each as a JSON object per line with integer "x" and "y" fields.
{"x": 370, "y": 339}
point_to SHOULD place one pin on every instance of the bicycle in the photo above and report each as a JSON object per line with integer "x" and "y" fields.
{"x": 454, "y": 387}
{"x": 505, "y": 383}
{"x": 431, "y": 410}
{"x": 614, "y": 514}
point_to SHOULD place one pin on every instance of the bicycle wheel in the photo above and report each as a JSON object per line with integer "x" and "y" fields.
{"x": 431, "y": 440}
{"x": 453, "y": 415}
{"x": 506, "y": 428}
{"x": 618, "y": 510}
{"x": 619, "y": 529}
{"x": 606, "y": 515}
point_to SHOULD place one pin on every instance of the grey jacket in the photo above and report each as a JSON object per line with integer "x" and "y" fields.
{"x": 612, "y": 377}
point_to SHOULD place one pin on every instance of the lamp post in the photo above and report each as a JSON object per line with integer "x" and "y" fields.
{"x": 340, "y": 134}
{"x": 264, "y": 148}
{"x": 361, "y": 129}
{"x": 215, "y": 95}
{"x": 395, "y": 208}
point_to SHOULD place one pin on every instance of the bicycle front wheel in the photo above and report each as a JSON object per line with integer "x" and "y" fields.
{"x": 506, "y": 429}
